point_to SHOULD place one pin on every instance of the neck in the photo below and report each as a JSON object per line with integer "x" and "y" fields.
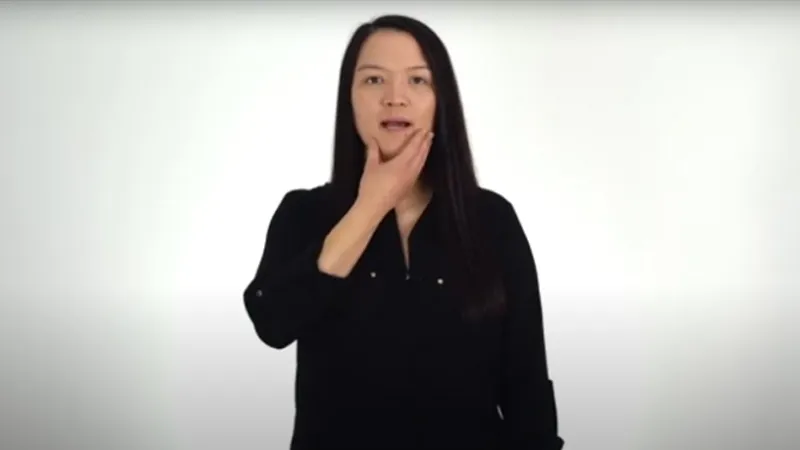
{"x": 416, "y": 198}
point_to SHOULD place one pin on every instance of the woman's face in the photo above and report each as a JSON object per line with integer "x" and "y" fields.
{"x": 392, "y": 92}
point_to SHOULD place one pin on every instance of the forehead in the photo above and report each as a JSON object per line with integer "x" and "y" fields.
{"x": 391, "y": 49}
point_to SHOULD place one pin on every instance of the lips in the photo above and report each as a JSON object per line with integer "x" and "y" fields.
{"x": 395, "y": 124}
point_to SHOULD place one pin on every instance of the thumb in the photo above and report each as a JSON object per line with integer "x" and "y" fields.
{"x": 373, "y": 152}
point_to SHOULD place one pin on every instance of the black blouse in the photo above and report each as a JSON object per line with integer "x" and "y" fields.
{"x": 383, "y": 361}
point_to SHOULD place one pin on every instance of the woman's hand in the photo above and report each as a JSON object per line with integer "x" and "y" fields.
{"x": 384, "y": 183}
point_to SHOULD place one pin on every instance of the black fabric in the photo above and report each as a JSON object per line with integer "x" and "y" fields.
{"x": 384, "y": 359}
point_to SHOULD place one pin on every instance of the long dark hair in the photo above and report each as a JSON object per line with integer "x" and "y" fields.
{"x": 448, "y": 172}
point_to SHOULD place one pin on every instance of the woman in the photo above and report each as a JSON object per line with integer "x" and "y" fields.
{"x": 411, "y": 291}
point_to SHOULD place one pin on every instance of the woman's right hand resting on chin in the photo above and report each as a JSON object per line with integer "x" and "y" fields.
{"x": 382, "y": 185}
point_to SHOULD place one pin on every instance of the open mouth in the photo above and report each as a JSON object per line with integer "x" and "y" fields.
{"x": 395, "y": 125}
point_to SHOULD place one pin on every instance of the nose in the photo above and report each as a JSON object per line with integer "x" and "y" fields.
{"x": 394, "y": 96}
{"x": 395, "y": 103}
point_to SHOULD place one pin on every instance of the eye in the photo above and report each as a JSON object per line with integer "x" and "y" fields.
{"x": 418, "y": 80}
{"x": 372, "y": 79}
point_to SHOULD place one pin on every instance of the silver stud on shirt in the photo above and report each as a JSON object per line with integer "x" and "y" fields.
{"x": 372, "y": 274}
{"x": 440, "y": 281}
{"x": 259, "y": 293}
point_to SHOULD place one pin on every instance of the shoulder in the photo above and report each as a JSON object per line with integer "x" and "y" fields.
{"x": 495, "y": 207}
{"x": 304, "y": 206}
{"x": 507, "y": 233}
{"x": 306, "y": 197}
{"x": 499, "y": 218}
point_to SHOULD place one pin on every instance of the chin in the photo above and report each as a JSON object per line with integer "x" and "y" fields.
{"x": 389, "y": 154}
{"x": 392, "y": 146}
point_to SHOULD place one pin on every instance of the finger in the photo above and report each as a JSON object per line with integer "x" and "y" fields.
{"x": 412, "y": 147}
{"x": 422, "y": 154}
{"x": 373, "y": 152}
{"x": 414, "y": 135}
{"x": 409, "y": 142}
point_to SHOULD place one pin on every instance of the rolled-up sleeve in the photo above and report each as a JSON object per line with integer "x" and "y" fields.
{"x": 289, "y": 294}
{"x": 527, "y": 399}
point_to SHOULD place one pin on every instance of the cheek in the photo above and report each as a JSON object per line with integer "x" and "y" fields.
{"x": 364, "y": 114}
{"x": 429, "y": 112}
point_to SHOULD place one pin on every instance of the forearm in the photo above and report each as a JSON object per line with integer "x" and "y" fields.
{"x": 348, "y": 239}
{"x": 290, "y": 291}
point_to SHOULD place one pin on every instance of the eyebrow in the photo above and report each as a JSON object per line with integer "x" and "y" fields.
{"x": 375, "y": 66}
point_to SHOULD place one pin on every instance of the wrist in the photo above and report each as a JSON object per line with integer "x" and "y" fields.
{"x": 370, "y": 210}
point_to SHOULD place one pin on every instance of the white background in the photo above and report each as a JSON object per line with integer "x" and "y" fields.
{"x": 651, "y": 151}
